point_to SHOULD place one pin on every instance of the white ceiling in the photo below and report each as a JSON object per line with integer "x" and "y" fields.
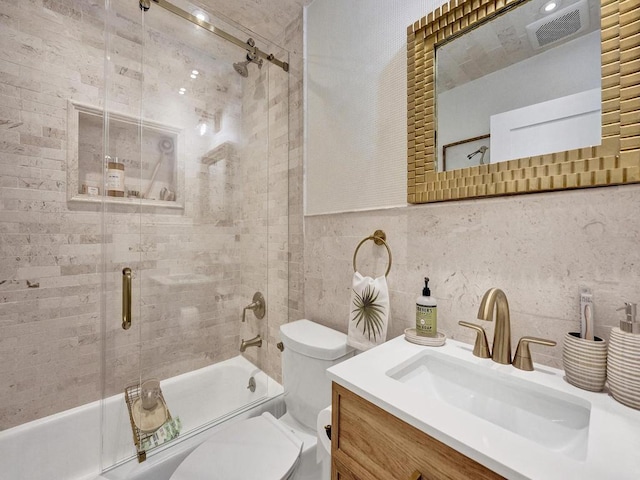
{"x": 267, "y": 18}
{"x": 497, "y": 44}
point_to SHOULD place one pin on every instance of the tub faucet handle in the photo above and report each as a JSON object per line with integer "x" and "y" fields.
{"x": 258, "y": 306}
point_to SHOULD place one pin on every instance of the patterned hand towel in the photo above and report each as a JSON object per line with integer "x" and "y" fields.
{"x": 369, "y": 309}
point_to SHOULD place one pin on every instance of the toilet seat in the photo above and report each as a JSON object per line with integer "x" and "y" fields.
{"x": 259, "y": 447}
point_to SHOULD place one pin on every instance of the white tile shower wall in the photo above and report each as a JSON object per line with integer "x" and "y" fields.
{"x": 49, "y": 285}
{"x": 50, "y": 270}
{"x": 284, "y": 214}
{"x": 540, "y": 249}
{"x": 293, "y": 42}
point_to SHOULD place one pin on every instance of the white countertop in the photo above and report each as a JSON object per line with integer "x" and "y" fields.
{"x": 613, "y": 445}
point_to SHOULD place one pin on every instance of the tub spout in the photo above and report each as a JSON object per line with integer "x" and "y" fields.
{"x": 254, "y": 342}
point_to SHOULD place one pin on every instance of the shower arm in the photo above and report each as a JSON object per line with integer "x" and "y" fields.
{"x": 251, "y": 49}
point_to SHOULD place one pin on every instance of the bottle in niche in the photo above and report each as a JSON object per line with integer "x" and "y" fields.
{"x": 115, "y": 177}
{"x": 426, "y": 313}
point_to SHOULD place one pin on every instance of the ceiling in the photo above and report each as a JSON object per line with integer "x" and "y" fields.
{"x": 499, "y": 43}
{"x": 267, "y": 18}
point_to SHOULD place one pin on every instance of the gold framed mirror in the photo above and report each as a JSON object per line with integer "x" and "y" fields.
{"x": 615, "y": 161}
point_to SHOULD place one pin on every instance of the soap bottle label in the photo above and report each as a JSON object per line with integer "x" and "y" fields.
{"x": 115, "y": 180}
{"x": 426, "y": 321}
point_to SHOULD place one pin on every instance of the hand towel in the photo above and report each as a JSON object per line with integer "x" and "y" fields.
{"x": 369, "y": 312}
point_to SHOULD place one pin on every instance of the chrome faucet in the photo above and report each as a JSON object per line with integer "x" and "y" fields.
{"x": 501, "y": 350}
{"x": 254, "y": 342}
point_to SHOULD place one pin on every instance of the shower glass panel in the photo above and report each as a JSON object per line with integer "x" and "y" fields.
{"x": 202, "y": 136}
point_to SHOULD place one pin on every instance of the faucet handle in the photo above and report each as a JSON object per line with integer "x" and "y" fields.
{"x": 481, "y": 347}
{"x": 522, "y": 359}
{"x": 257, "y": 305}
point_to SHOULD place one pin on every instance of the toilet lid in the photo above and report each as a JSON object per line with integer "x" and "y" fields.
{"x": 259, "y": 447}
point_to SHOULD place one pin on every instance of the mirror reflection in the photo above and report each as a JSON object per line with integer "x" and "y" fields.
{"x": 525, "y": 83}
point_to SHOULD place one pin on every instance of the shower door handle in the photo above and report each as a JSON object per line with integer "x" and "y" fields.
{"x": 126, "y": 298}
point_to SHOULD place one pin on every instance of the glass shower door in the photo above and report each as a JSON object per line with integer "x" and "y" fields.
{"x": 188, "y": 116}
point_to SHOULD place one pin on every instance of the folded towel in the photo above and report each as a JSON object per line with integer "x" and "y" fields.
{"x": 369, "y": 309}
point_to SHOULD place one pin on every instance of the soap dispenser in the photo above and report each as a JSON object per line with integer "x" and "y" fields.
{"x": 426, "y": 313}
{"x": 623, "y": 376}
{"x": 629, "y": 324}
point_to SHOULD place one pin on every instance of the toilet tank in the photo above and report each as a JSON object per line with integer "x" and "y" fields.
{"x": 309, "y": 349}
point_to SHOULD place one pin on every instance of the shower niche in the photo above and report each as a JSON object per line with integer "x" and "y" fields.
{"x": 149, "y": 154}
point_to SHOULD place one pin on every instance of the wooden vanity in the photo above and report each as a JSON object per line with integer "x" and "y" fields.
{"x": 368, "y": 443}
{"x": 406, "y": 412}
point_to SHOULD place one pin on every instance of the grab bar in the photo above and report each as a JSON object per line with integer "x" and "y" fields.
{"x": 126, "y": 298}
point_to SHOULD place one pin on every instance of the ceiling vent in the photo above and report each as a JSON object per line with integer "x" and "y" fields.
{"x": 561, "y": 25}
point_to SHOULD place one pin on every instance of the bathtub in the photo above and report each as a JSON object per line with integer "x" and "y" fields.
{"x": 72, "y": 446}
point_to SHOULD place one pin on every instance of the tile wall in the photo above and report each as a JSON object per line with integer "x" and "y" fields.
{"x": 51, "y": 275}
{"x": 540, "y": 249}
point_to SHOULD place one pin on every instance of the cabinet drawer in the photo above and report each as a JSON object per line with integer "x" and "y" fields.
{"x": 369, "y": 443}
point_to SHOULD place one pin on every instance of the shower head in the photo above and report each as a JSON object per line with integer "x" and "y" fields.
{"x": 241, "y": 68}
{"x": 166, "y": 145}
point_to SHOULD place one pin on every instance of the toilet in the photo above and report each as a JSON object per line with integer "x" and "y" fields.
{"x": 278, "y": 449}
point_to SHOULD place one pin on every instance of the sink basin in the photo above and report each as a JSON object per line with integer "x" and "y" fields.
{"x": 553, "y": 419}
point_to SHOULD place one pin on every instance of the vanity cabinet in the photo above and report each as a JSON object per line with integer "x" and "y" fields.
{"x": 368, "y": 443}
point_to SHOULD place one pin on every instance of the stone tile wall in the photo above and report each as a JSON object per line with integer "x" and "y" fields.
{"x": 540, "y": 249}
{"x": 49, "y": 274}
{"x": 194, "y": 270}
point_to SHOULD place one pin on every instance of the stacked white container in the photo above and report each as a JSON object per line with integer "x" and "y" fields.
{"x": 623, "y": 360}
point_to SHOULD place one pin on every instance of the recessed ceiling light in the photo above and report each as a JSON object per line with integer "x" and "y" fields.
{"x": 200, "y": 15}
{"x": 194, "y": 76}
{"x": 194, "y": 72}
{"x": 550, "y": 6}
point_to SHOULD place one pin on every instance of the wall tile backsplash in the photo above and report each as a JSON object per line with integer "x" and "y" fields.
{"x": 540, "y": 249}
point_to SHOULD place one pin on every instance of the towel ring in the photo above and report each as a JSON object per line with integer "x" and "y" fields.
{"x": 379, "y": 238}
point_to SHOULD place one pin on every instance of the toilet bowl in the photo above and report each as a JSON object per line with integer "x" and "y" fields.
{"x": 267, "y": 448}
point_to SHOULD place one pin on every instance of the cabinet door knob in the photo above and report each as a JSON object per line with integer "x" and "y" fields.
{"x": 416, "y": 476}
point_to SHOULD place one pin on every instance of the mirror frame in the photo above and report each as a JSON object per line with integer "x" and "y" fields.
{"x": 616, "y": 161}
